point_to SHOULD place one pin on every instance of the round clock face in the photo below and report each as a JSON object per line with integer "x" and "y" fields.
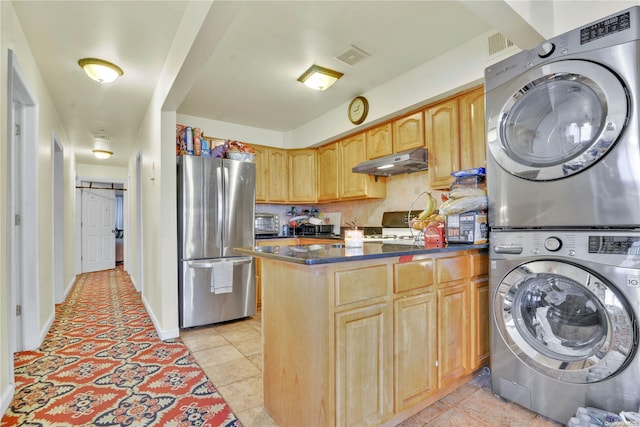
{"x": 358, "y": 109}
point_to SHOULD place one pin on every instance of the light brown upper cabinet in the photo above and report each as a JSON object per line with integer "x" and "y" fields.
{"x": 408, "y": 133}
{"x": 472, "y": 130}
{"x": 328, "y": 179}
{"x": 302, "y": 175}
{"x": 262, "y": 177}
{"x": 278, "y": 175}
{"x": 351, "y": 152}
{"x": 454, "y": 133}
{"x": 443, "y": 142}
{"x": 379, "y": 141}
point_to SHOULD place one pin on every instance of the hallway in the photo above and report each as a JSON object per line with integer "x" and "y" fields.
{"x": 102, "y": 364}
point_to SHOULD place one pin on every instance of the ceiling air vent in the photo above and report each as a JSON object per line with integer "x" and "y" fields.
{"x": 352, "y": 55}
{"x": 499, "y": 45}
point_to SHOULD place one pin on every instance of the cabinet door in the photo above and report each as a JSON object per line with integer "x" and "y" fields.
{"x": 328, "y": 178}
{"x": 379, "y": 142}
{"x": 278, "y": 175}
{"x": 453, "y": 331}
{"x": 415, "y": 349}
{"x": 480, "y": 312}
{"x": 262, "y": 177}
{"x": 302, "y": 175}
{"x": 472, "y": 130}
{"x": 443, "y": 142}
{"x": 408, "y": 133}
{"x": 352, "y": 152}
{"x": 363, "y": 387}
{"x": 357, "y": 185}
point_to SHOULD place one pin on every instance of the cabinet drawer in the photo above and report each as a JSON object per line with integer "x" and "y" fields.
{"x": 479, "y": 264}
{"x": 413, "y": 275}
{"x": 360, "y": 284}
{"x": 453, "y": 268}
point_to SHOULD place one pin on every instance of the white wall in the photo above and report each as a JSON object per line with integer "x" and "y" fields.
{"x": 12, "y": 37}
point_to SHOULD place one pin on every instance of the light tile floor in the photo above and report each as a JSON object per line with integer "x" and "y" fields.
{"x": 231, "y": 356}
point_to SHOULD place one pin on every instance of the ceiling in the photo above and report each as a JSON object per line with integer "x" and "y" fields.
{"x": 250, "y": 77}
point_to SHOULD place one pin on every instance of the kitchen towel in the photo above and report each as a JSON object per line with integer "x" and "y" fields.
{"x": 222, "y": 277}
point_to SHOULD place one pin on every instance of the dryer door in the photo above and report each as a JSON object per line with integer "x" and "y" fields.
{"x": 561, "y": 118}
{"x": 564, "y": 321}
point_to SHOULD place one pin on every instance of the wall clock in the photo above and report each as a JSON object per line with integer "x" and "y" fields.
{"x": 358, "y": 109}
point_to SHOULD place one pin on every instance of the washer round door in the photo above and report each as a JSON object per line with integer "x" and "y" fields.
{"x": 564, "y": 321}
{"x": 561, "y": 119}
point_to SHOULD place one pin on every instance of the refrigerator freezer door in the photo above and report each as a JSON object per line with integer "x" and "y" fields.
{"x": 239, "y": 201}
{"x": 199, "y": 305}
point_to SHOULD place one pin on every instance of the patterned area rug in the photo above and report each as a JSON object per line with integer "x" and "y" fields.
{"x": 102, "y": 364}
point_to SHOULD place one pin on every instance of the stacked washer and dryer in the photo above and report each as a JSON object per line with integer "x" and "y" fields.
{"x": 563, "y": 177}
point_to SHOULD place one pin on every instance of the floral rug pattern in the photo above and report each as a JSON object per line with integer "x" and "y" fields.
{"x": 102, "y": 364}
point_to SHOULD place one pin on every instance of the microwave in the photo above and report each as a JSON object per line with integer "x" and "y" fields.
{"x": 266, "y": 224}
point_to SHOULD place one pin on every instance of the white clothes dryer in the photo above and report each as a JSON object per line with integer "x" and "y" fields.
{"x": 564, "y": 324}
{"x": 563, "y": 138}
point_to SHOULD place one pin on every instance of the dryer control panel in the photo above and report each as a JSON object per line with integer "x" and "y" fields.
{"x": 601, "y": 246}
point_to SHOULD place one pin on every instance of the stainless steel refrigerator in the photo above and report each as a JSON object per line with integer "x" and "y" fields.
{"x": 216, "y": 208}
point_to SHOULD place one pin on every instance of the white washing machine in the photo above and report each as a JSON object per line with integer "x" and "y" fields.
{"x": 564, "y": 324}
{"x": 562, "y": 129}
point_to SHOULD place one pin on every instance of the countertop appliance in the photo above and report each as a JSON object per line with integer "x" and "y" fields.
{"x": 216, "y": 207}
{"x": 563, "y": 136}
{"x": 564, "y": 323}
{"x": 266, "y": 225}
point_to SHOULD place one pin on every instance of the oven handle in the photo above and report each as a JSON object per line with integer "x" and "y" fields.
{"x": 515, "y": 250}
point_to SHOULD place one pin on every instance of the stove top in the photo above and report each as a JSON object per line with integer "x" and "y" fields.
{"x": 396, "y": 230}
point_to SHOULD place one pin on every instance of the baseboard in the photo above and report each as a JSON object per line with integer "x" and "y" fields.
{"x": 162, "y": 334}
{"x": 69, "y": 287}
{"x": 46, "y": 328}
{"x": 134, "y": 283}
{"x": 7, "y": 397}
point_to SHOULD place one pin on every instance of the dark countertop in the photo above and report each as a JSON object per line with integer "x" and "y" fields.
{"x": 338, "y": 252}
{"x": 301, "y": 236}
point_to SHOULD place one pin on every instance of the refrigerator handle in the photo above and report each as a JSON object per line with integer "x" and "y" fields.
{"x": 225, "y": 230}
{"x": 220, "y": 202}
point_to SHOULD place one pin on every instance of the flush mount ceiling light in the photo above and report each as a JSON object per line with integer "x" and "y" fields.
{"x": 100, "y": 70}
{"x": 319, "y": 78}
{"x": 102, "y": 154}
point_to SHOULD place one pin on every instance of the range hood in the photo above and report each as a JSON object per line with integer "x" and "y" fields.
{"x": 406, "y": 162}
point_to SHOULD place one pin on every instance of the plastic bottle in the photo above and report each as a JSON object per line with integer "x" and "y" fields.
{"x": 190, "y": 141}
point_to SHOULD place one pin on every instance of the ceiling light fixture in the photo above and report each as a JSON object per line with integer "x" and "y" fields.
{"x": 100, "y": 70}
{"x": 319, "y": 78}
{"x": 102, "y": 154}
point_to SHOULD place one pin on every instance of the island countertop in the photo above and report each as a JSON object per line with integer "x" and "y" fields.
{"x": 313, "y": 254}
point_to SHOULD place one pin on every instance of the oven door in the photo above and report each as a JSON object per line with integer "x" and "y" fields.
{"x": 557, "y": 120}
{"x": 564, "y": 321}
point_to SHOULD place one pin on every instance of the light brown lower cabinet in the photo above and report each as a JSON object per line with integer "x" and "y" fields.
{"x": 366, "y": 342}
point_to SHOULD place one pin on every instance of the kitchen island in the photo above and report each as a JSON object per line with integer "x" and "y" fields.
{"x": 371, "y": 335}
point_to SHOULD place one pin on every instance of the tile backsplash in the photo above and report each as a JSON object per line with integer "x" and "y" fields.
{"x": 402, "y": 190}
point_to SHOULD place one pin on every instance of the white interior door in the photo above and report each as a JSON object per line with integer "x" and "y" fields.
{"x": 98, "y": 228}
